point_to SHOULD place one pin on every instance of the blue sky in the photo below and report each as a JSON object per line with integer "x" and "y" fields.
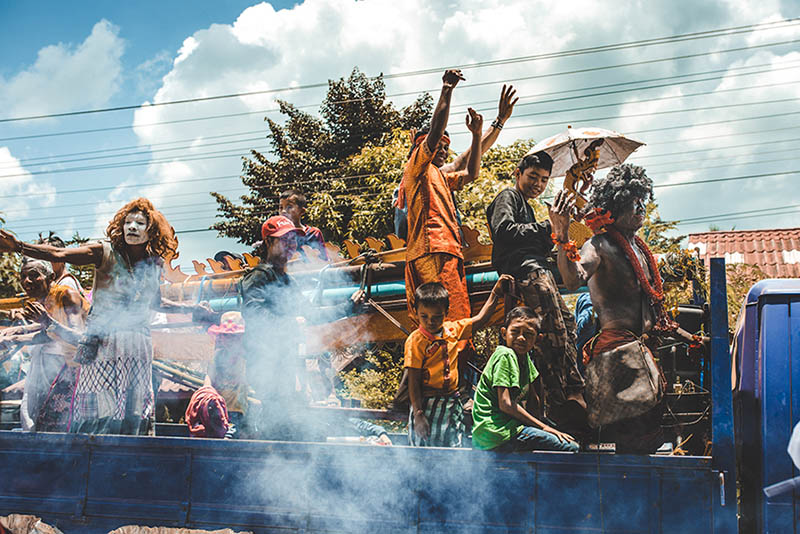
{"x": 63, "y": 56}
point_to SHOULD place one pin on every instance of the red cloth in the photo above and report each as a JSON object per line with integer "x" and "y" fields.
{"x": 206, "y": 414}
{"x": 605, "y": 341}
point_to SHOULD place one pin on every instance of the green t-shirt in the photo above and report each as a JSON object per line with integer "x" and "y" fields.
{"x": 491, "y": 427}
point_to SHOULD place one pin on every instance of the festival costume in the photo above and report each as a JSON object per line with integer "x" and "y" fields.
{"x": 50, "y": 383}
{"x": 494, "y": 430}
{"x": 115, "y": 389}
{"x": 520, "y": 248}
{"x": 637, "y": 435}
{"x": 437, "y": 357}
{"x": 433, "y": 229}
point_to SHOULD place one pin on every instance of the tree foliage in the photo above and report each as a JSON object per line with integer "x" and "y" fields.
{"x": 343, "y": 161}
{"x": 9, "y": 273}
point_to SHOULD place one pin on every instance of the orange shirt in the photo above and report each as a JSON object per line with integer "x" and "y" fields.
{"x": 432, "y": 223}
{"x": 422, "y": 353}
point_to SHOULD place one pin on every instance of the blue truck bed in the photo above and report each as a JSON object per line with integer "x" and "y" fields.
{"x": 91, "y": 484}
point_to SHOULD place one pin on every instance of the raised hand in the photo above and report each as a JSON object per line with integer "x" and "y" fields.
{"x": 474, "y": 121}
{"x": 36, "y": 313}
{"x": 503, "y": 285}
{"x": 451, "y": 77}
{"x": 8, "y": 242}
{"x": 560, "y": 213}
{"x": 506, "y": 105}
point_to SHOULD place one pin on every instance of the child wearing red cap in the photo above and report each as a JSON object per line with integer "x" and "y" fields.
{"x": 272, "y": 307}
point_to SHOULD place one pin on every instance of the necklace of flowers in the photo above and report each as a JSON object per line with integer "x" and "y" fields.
{"x": 655, "y": 294}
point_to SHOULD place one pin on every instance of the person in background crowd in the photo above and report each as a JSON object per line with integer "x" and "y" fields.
{"x": 114, "y": 394}
{"x": 63, "y": 276}
{"x": 50, "y": 382}
{"x": 585, "y": 324}
{"x": 293, "y": 206}
{"x": 275, "y": 313}
{"x": 228, "y": 370}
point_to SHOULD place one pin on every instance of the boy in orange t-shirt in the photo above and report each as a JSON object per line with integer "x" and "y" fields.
{"x": 431, "y": 357}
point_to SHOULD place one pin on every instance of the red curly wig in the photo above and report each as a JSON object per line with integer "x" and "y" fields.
{"x": 162, "y": 241}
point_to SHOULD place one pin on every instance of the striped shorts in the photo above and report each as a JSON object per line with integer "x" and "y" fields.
{"x": 446, "y": 418}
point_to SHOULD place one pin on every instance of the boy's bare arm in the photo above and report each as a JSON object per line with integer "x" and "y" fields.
{"x": 474, "y": 125}
{"x": 514, "y": 410}
{"x": 504, "y": 109}
{"x": 421, "y": 425}
{"x": 442, "y": 111}
{"x": 480, "y": 320}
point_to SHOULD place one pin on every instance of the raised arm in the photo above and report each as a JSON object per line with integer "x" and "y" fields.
{"x": 91, "y": 253}
{"x": 499, "y": 289}
{"x": 474, "y": 125}
{"x": 504, "y": 109}
{"x": 442, "y": 111}
{"x": 575, "y": 274}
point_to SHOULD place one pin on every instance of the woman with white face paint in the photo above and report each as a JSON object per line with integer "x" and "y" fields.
{"x": 114, "y": 394}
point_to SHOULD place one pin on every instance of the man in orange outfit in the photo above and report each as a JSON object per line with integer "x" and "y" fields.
{"x": 433, "y": 252}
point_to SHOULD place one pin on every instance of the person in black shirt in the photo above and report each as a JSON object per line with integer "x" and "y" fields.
{"x": 521, "y": 246}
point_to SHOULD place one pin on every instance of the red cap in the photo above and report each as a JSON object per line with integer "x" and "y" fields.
{"x": 278, "y": 226}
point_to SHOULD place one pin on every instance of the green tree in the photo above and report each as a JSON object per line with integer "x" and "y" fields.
{"x": 9, "y": 273}
{"x": 84, "y": 273}
{"x": 317, "y": 156}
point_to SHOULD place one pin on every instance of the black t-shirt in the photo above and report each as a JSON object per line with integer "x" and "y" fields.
{"x": 520, "y": 243}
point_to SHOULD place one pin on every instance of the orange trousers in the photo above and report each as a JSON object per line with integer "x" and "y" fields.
{"x": 446, "y": 269}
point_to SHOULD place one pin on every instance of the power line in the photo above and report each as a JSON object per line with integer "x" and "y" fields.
{"x": 224, "y": 154}
{"x": 728, "y": 179}
{"x": 736, "y": 213}
{"x": 714, "y": 92}
{"x": 577, "y": 71}
{"x": 772, "y": 214}
{"x": 588, "y": 50}
{"x": 725, "y": 71}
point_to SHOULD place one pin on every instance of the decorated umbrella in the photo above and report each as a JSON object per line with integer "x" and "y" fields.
{"x": 576, "y": 154}
{"x": 567, "y": 148}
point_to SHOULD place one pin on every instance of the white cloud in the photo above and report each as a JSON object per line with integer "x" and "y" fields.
{"x": 323, "y": 39}
{"x": 66, "y": 77}
{"x": 20, "y": 182}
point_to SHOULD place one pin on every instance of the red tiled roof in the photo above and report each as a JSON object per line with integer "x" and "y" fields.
{"x": 776, "y": 252}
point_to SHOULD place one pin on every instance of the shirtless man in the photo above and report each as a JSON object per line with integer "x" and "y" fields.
{"x": 625, "y": 307}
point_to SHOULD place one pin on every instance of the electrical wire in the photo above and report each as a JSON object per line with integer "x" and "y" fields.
{"x": 722, "y": 32}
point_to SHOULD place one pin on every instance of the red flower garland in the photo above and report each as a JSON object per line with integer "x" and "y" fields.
{"x": 570, "y": 248}
{"x": 655, "y": 294}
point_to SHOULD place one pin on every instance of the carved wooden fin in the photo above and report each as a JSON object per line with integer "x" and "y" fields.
{"x": 334, "y": 252}
{"x": 473, "y": 249}
{"x": 376, "y": 244}
{"x": 234, "y": 264}
{"x": 395, "y": 242}
{"x": 199, "y": 268}
{"x": 216, "y": 266}
{"x": 174, "y": 275}
{"x": 353, "y": 249}
{"x": 579, "y": 232}
{"x": 251, "y": 260}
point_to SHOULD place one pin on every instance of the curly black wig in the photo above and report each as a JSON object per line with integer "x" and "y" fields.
{"x": 621, "y": 186}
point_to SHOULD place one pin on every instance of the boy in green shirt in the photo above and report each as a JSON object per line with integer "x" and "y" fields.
{"x": 501, "y": 423}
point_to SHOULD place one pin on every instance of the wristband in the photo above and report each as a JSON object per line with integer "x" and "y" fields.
{"x": 496, "y": 124}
